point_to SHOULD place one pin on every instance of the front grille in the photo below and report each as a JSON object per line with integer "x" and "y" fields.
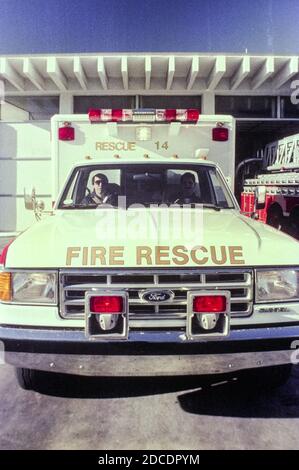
{"x": 73, "y": 286}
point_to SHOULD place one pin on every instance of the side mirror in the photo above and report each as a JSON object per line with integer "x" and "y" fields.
{"x": 29, "y": 200}
{"x": 260, "y": 198}
{"x": 32, "y": 204}
{"x": 40, "y": 206}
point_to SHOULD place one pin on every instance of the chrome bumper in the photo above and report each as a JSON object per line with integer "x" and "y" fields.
{"x": 124, "y": 366}
{"x": 149, "y": 354}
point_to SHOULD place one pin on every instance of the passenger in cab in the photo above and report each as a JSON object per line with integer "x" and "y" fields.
{"x": 187, "y": 194}
{"x": 100, "y": 193}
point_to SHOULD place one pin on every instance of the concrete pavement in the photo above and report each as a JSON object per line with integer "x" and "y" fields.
{"x": 157, "y": 413}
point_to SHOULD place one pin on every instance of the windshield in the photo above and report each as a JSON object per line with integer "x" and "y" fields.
{"x": 145, "y": 184}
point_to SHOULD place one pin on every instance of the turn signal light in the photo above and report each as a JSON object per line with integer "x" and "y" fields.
{"x": 5, "y": 286}
{"x": 209, "y": 304}
{"x": 106, "y": 304}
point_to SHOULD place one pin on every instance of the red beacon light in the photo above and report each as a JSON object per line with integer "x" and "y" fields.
{"x": 117, "y": 115}
{"x": 192, "y": 115}
{"x": 94, "y": 115}
{"x": 220, "y": 133}
{"x": 170, "y": 115}
{"x": 67, "y": 132}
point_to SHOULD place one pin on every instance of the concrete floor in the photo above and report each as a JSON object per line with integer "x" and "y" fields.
{"x": 157, "y": 413}
{"x": 169, "y": 413}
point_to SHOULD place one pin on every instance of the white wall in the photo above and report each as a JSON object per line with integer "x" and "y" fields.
{"x": 24, "y": 163}
{"x": 9, "y": 112}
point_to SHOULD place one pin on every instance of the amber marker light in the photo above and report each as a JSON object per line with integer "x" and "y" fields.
{"x": 5, "y": 286}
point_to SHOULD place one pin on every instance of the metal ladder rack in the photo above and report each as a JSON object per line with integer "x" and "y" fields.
{"x": 281, "y": 154}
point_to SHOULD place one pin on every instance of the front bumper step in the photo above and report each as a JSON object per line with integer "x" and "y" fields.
{"x": 147, "y": 354}
{"x": 145, "y": 365}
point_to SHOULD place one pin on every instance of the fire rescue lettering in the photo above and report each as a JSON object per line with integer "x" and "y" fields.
{"x": 112, "y": 146}
{"x": 162, "y": 255}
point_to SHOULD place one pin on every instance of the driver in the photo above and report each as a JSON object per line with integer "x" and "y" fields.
{"x": 100, "y": 193}
{"x": 187, "y": 193}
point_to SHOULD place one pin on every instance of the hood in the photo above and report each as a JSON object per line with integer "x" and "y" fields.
{"x": 150, "y": 238}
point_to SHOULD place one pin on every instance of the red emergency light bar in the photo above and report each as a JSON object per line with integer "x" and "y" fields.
{"x": 159, "y": 115}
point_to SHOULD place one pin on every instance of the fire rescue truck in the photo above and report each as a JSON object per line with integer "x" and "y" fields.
{"x": 145, "y": 265}
{"x": 278, "y": 184}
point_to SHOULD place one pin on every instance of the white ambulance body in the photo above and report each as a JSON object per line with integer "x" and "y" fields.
{"x": 87, "y": 290}
{"x": 142, "y": 136}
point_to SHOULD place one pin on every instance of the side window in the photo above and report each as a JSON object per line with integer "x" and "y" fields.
{"x": 206, "y": 187}
{"x": 72, "y": 191}
{"x": 220, "y": 191}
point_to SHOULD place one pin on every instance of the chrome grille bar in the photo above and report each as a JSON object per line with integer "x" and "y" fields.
{"x": 74, "y": 284}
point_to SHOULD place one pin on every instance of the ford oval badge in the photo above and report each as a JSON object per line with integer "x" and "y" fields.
{"x": 157, "y": 296}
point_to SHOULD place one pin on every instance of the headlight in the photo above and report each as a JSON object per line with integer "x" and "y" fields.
{"x": 34, "y": 287}
{"x": 277, "y": 285}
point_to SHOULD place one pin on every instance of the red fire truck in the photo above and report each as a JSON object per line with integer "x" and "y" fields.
{"x": 273, "y": 193}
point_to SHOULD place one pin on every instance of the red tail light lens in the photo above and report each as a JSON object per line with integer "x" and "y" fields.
{"x": 106, "y": 304}
{"x": 209, "y": 304}
{"x": 3, "y": 254}
{"x": 220, "y": 134}
{"x": 67, "y": 132}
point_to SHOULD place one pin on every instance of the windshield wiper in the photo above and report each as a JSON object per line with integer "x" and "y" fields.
{"x": 216, "y": 207}
{"x": 88, "y": 206}
{"x": 78, "y": 206}
{"x": 199, "y": 205}
{"x": 213, "y": 206}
